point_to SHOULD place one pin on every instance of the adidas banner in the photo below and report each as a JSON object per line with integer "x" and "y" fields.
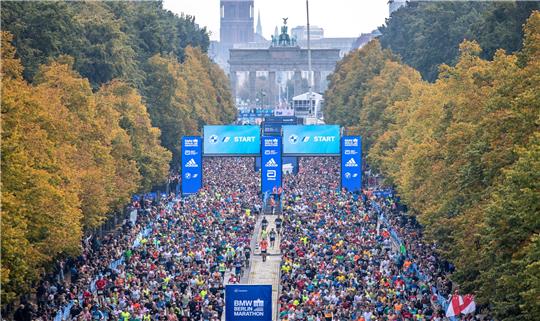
{"x": 271, "y": 164}
{"x": 351, "y": 163}
{"x": 191, "y": 164}
{"x": 248, "y": 303}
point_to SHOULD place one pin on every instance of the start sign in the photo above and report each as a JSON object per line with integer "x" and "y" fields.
{"x": 248, "y": 303}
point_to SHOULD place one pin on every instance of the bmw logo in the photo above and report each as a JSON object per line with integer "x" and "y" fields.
{"x": 293, "y": 139}
{"x": 188, "y": 175}
{"x": 213, "y": 139}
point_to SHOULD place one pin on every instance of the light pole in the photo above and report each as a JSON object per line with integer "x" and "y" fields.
{"x": 310, "y": 97}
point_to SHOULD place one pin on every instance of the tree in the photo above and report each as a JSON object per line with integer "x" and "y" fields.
{"x": 349, "y": 83}
{"x": 391, "y": 85}
{"x": 141, "y": 142}
{"x": 86, "y": 135}
{"x": 462, "y": 153}
{"x": 106, "y": 39}
{"x": 40, "y": 206}
{"x": 178, "y": 109}
{"x": 427, "y": 34}
{"x": 167, "y": 101}
{"x": 511, "y": 240}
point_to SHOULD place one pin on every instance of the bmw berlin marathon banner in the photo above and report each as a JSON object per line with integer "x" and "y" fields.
{"x": 232, "y": 140}
{"x": 248, "y": 303}
{"x": 306, "y": 140}
{"x": 271, "y": 163}
{"x": 191, "y": 164}
{"x": 351, "y": 163}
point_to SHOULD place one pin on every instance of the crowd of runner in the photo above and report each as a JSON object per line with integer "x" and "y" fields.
{"x": 340, "y": 260}
{"x": 344, "y": 256}
{"x": 171, "y": 264}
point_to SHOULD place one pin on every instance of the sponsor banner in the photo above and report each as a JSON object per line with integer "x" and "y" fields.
{"x": 232, "y": 140}
{"x": 384, "y": 193}
{"x": 191, "y": 164}
{"x": 272, "y": 125}
{"x": 248, "y": 303}
{"x": 283, "y": 112}
{"x": 311, "y": 139}
{"x": 270, "y": 129}
{"x": 351, "y": 163}
{"x": 284, "y": 120}
{"x": 271, "y": 163}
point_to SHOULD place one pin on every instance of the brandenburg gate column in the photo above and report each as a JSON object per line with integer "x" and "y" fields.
{"x": 317, "y": 81}
{"x": 297, "y": 82}
{"x": 252, "y": 90}
{"x": 272, "y": 89}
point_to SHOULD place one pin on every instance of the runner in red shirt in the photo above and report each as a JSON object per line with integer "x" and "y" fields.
{"x": 264, "y": 248}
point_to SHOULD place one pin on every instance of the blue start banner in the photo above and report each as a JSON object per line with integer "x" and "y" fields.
{"x": 351, "y": 163}
{"x": 232, "y": 140}
{"x": 271, "y": 164}
{"x": 311, "y": 140}
{"x": 191, "y": 164}
{"x": 248, "y": 303}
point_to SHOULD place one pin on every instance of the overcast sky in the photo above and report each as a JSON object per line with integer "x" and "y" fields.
{"x": 339, "y": 18}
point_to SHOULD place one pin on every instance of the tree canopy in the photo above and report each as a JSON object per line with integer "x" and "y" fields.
{"x": 426, "y": 34}
{"x": 128, "y": 41}
{"x": 95, "y": 99}
{"x": 70, "y": 158}
{"x": 463, "y": 155}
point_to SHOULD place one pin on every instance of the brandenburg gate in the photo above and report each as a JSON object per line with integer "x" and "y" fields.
{"x": 283, "y": 55}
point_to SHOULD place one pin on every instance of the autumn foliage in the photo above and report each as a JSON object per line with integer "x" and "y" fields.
{"x": 464, "y": 155}
{"x": 95, "y": 99}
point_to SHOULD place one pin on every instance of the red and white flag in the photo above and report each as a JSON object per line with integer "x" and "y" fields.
{"x": 454, "y": 308}
{"x": 468, "y": 304}
{"x": 460, "y": 305}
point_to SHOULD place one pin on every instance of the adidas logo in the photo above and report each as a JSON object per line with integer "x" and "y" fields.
{"x": 351, "y": 163}
{"x": 271, "y": 163}
{"x": 192, "y": 163}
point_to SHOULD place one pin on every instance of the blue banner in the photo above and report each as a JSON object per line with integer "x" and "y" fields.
{"x": 384, "y": 193}
{"x": 311, "y": 139}
{"x": 232, "y": 140}
{"x": 248, "y": 303}
{"x": 191, "y": 165}
{"x": 351, "y": 163}
{"x": 271, "y": 164}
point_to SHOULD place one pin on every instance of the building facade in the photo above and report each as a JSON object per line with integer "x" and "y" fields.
{"x": 236, "y": 21}
{"x": 300, "y": 32}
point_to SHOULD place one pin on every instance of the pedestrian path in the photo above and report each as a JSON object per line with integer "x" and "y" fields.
{"x": 266, "y": 272}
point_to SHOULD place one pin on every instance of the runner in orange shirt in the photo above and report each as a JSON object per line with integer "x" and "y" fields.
{"x": 264, "y": 248}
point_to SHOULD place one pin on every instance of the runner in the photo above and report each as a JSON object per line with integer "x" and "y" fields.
{"x": 264, "y": 248}
{"x": 264, "y": 223}
{"x": 247, "y": 254}
{"x": 278, "y": 222}
{"x": 272, "y": 238}
{"x": 238, "y": 268}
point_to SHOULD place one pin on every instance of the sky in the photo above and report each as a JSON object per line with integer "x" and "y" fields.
{"x": 339, "y": 18}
